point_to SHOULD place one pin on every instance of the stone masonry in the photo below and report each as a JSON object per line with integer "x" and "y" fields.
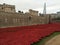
{"x": 9, "y": 17}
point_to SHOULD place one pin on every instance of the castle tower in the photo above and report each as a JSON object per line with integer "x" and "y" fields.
{"x": 44, "y": 10}
{"x": 7, "y": 8}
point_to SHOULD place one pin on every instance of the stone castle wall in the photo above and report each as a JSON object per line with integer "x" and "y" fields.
{"x": 18, "y": 19}
{"x": 9, "y": 17}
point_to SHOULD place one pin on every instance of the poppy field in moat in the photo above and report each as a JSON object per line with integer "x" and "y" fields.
{"x": 26, "y": 35}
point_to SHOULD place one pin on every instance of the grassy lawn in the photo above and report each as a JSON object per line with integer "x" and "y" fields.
{"x": 43, "y": 40}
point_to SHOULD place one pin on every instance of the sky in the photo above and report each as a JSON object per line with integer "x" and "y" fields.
{"x": 53, "y": 6}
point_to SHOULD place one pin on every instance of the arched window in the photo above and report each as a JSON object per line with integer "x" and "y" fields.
{"x": 2, "y": 7}
{"x": 29, "y": 18}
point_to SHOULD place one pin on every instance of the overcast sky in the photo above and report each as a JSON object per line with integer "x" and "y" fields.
{"x": 25, "y": 5}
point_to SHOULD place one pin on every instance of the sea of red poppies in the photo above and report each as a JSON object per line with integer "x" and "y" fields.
{"x": 26, "y": 35}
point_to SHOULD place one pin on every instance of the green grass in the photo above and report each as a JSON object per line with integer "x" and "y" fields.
{"x": 43, "y": 40}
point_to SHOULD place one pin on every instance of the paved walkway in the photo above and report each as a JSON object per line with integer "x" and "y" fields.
{"x": 54, "y": 41}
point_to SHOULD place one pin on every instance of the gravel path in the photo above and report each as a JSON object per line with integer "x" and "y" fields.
{"x": 54, "y": 41}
